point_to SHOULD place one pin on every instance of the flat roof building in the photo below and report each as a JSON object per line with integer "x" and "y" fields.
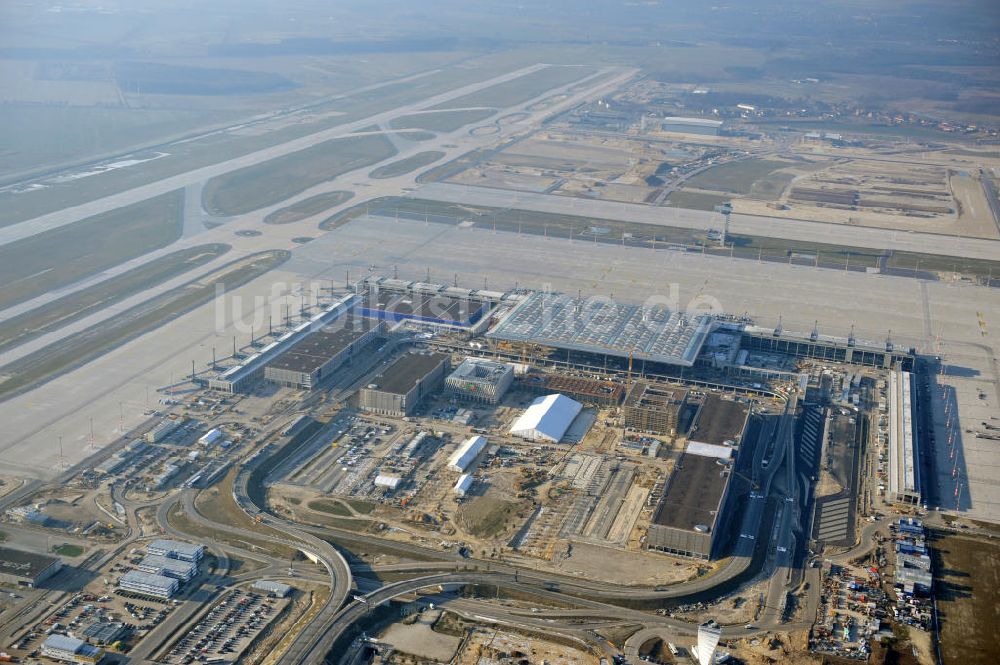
{"x": 654, "y": 408}
{"x": 426, "y": 304}
{"x": 547, "y": 419}
{"x": 273, "y": 588}
{"x": 71, "y": 650}
{"x": 149, "y": 584}
{"x": 162, "y": 565}
{"x": 26, "y": 569}
{"x": 176, "y": 549}
{"x": 323, "y": 351}
{"x": 904, "y": 450}
{"x": 105, "y": 632}
{"x": 691, "y": 511}
{"x": 720, "y": 421}
{"x": 602, "y": 326}
{"x": 402, "y": 385}
{"x": 480, "y": 380}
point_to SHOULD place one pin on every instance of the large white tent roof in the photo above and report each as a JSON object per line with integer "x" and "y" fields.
{"x": 547, "y": 419}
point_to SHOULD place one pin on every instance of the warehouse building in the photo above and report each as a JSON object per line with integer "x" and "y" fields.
{"x": 387, "y": 483}
{"x": 587, "y": 391}
{"x": 691, "y": 512}
{"x": 162, "y": 565}
{"x": 480, "y": 380}
{"x": 466, "y": 453}
{"x": 71, "y": 650}
{"x": 654, "y": 408}
{"x": 162, "y": 430}
{"x": 318, "y": 355}
{"x": 402, "y": 385}
{"x": 547, "y": 419}
{"x": 904, "y": 451}
{"x": 463, "y": 485}
{"x": 719, "y": 421}
{"x": 26, "y": 569}
{"x": 175, "y": 549}
{"x": 148, "y": 584}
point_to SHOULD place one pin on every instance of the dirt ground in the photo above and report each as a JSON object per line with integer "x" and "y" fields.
{"x": 967, "y": 583}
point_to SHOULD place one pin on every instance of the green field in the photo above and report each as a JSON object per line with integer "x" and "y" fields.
{"x": 442, "y": 121}
{"x": 411, "y": 163}
{"x": 308, "y": 207}
{"x": 519, "y": 90}
{"x": 67, "y": 354}
{"x": 695, "y": 200}
{"x": 735, "y": 177}
{"x": 68, "y": 550}
{"x": 275, "y": 180}
{"x": 58, "y": 313}
{"x": 55, "y": 258}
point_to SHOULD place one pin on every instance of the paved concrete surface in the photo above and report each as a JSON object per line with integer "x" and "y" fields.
{"x": 774, "y": 227}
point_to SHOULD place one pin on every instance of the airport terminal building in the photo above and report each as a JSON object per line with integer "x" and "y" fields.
{"x": 323, "y": 352}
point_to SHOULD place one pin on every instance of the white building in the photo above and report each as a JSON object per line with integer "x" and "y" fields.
{"x": 708, "y": 640}
{"x": 176, "y": 549}
{"x": 70, "y": 650}
{"x": 466, "y": 453}
{"x": 904, "y": 446}
{"x": 270, "y": 587}
{"x": 162, "y": 565}
{"x": 389, "y": 483}
{"x": 210, "y": 437}
{"x": 547, "y": 419}
{"x": 149, "y": 584}
{"x": 463, "y": 485}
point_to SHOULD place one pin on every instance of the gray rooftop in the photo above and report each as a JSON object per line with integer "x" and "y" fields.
{"x": 20, "y": 562}
{"x": 400, "y": 377}
{"x": 320, "y": 346}
{"x": 599, "y": 325}
{"x": 694, "y": 493}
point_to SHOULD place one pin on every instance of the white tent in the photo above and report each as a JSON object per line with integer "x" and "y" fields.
{"x": 547, "y": 419}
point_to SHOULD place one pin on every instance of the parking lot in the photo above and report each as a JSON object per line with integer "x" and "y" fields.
{"x": 228, "y": 629}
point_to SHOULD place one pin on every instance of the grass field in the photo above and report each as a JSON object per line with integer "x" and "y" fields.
{"x": 275, "y": 180}
{"x": 69, "y": 308}
{"x": 521, "y": 89}
{"x": 78, "y": 349}
{"x": 55, "y": 258}
{"x": 695, "y": 200}
{"x": 308, "y": 207}
{"x": 735, "y": 177}
{"x": 967, "y": 584}
{"x": 329, "y": 507}
{"x": 485, "y": 517}
{"x": 443, "y": 121}
{"x": 68, "y": 550}
{"x": 411, "y": 163}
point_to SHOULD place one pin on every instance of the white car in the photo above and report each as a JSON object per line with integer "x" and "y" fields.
{"x": 748, "y": 536}
{"x": 782, "y": 549}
